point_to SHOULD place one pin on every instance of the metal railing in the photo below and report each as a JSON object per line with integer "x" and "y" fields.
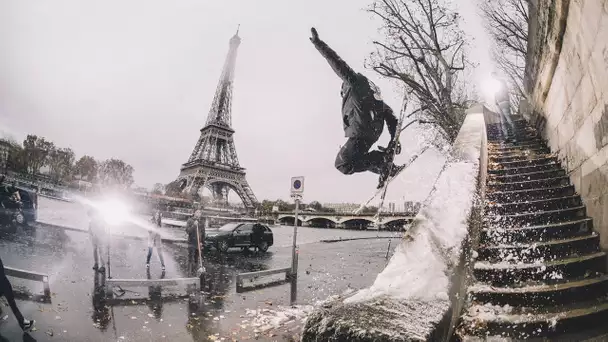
{"x": 30, "y": 275}
{"x": 151, "y": 282}
{"x": 240, "y": 288}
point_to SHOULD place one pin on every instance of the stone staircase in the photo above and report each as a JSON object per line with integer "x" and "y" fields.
{"x": 538, "y": 271}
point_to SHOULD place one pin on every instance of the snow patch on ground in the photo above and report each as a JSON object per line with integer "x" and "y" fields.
{"x": 419, "y": 266}
{"x": 264, "y": 320}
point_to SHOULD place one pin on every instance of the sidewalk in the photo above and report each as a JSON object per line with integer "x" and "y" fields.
{"x": 131, "y": 231}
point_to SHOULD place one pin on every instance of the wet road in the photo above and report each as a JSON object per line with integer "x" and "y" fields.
{"x": 79, "y": 313}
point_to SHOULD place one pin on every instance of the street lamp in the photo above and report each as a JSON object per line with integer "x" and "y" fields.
{"x": 491, "y": 86}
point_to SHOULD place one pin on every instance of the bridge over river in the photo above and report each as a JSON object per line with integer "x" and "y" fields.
{"x": 344, "y": 220}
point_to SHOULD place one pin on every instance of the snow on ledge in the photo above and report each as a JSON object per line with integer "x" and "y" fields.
{"x": 410, "y": 298}
{"x": 420, "y": 267}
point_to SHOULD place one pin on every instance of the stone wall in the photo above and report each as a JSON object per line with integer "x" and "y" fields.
{"x": 567, "y": 80}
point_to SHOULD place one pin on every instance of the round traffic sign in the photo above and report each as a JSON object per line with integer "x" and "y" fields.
{"x": 297, "y": 184}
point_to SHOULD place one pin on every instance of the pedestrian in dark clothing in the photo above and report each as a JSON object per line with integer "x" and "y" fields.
{"x": 195, "y": 222}
{"x": 504, "y": 107}
{"x": 363, "y": 116}
{"x": 99, "y": 238}
{"x": 257, "y": 236}
{"x": 6, "y": 290}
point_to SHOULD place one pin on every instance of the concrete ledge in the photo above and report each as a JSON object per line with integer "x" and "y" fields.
{"x": 381, "y": 319}
{"x": 418, "y": 296}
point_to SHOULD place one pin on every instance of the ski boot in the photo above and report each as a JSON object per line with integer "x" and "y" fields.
{"x": 388, "y": 173}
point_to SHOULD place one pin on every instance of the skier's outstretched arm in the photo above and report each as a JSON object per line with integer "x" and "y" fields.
{"x": 340, "y": 67}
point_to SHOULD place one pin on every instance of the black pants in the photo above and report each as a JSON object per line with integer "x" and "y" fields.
{"x": 355, "y": 157}
{"x": 192, "y": 253}
{"x": 6, "y": 290}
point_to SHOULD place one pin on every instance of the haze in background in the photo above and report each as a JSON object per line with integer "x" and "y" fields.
{"x": 134, "y": 80}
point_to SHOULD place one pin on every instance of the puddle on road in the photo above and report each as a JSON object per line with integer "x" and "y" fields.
{"x": 142, "y": 313}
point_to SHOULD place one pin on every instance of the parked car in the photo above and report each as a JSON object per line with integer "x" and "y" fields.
{"x": 24, "y": 216}
{"x": 236, "y": 234}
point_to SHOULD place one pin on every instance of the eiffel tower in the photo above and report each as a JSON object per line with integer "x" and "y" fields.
{"x": 213, "y": 163}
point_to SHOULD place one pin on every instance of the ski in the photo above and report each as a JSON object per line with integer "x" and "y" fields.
{"x": 388, "y": 181}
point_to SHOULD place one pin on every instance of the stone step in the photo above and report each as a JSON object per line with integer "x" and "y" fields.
{"x": 548, "y": 204}
{"x": 529, "y": 323}
{"x": 522, "y": 137}
{"x": 493, "y": 156}
{"x": 523, "y": 163}
{"x": 496, "y": 130}
{"x": 522, "y": 177}
{"x": 563, "y": 292}
{"x": 531, "y": 184}
{"x": 562, "y": 230}
{"x": 535, "y": 149}
{"x": 526, "y": 169}
{"x": 535, "y": 218}
{"x": 530, "y": 194}
{"x": 511, "y": 157}
{"x": 518, "y": 122}
{"x": 506, "y": 273}
{"x": 547, "y": 250}
{"x": 503, "y": 146}
{"x": 531, "y": 148}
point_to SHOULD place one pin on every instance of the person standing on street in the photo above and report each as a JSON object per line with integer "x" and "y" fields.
{"x": 154, "y": 240}
{"x": 99, "y": 238}
{"x": 257, "y": 236}
{"x": 504, "y": 107}
{"x": 6, "y": 290}
{"x": 195, "y": 222}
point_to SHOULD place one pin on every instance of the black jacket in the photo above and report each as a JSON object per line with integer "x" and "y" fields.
{"x": 363, "y": 112}
{"x": 191, "y": 226}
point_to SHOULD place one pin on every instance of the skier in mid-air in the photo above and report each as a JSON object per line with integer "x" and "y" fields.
{"x": 363, "y": 116}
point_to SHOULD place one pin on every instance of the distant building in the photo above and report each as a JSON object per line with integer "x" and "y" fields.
{"x": 411, "y": 206}
{"x": 5, "y": 149}
{"x": 342, "y": 207}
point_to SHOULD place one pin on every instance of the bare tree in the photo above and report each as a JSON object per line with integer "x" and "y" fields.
{"x": 36, "y": 149}
{"x": 86, "y": 168}
{"x": 425, "y": 49}
{"x": 115, "y": 172}
{"x": 158, "y": 189}
{"x": 61, "y": 163}
{"x": 173, "y": 189}
{"x": 507, "y": 23}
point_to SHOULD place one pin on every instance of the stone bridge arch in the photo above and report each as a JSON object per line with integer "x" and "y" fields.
{"x": 288, "y": 220}
{"x": 387, "y": 220}
{"x": 357, "y": 222}
{"x": 321, "y": 222}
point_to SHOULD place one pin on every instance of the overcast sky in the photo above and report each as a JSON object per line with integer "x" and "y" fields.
{"x": 134, "y": 80}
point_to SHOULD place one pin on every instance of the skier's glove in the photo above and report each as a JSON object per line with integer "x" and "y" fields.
{"x": 315, "y": 35}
